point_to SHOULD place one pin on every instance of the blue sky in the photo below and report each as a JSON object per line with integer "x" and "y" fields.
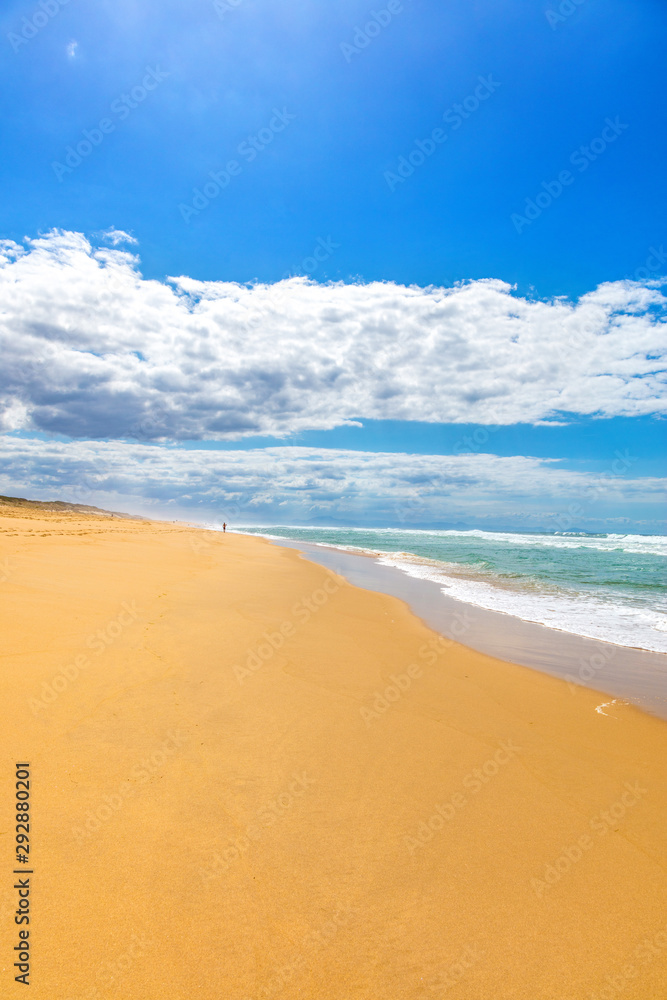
{"x": 305, "y": 112}
{"x": 323, "y": 176}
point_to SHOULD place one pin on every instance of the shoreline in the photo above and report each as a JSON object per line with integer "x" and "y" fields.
{"x": 252, "y": 779}
{"x": 630, "y": 673}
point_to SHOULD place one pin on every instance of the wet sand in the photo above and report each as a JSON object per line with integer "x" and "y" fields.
{"x": 251, "y": 779}
{"x": 637, "y": 675}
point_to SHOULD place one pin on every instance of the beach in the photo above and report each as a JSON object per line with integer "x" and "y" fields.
{"x": 252, "y": 779}
{"x": 629, "y": 673}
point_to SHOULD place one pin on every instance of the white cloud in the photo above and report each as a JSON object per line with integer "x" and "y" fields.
{"x": 304, "y": 484}
{"x": 92, "y": 349}
{"x": 116, "y": 236}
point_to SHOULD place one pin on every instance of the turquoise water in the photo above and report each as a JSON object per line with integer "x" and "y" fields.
{"x": 604, "y": 586}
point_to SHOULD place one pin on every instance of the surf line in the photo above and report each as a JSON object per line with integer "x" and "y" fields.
{"x": 606, "y": 704}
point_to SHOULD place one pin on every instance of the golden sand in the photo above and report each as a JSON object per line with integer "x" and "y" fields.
{"x": 250, "y": 779}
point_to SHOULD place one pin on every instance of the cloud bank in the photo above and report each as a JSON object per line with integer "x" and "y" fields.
{"x": 91, "y": 349}
{"x": 301, "y": 485}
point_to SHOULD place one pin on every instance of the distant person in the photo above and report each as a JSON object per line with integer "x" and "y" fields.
{"x": 224, "y": 527}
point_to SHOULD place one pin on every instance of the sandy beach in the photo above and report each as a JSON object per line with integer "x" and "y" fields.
{"x": 250, "y": 779}
{"x": 623, "y": 672}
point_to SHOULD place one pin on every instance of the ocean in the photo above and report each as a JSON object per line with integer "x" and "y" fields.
{"x": 610, "y": 587}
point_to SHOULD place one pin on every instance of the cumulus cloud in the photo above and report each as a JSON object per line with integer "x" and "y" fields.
{"x": 92, "y": 349}
{"x": 290, "y": 484}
